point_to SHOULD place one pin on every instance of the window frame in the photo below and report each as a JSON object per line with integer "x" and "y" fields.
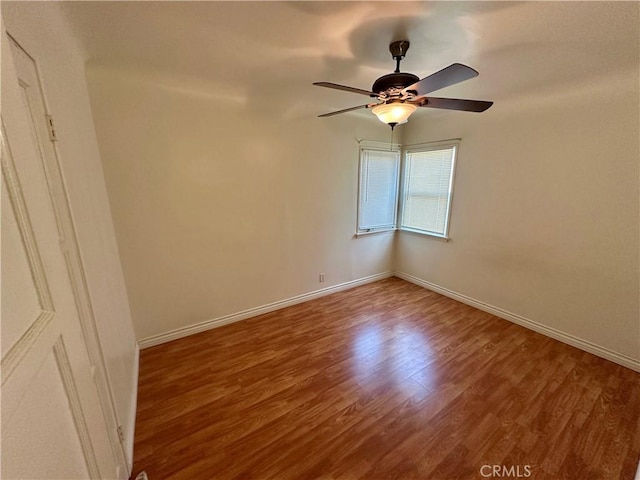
{"x": 402, "y": 193}
{"x": 380, "y": 147}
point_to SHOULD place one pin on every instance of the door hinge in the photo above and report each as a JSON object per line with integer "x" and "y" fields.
{"x": 53, "y": 136}
{"x": 120, "y": 434}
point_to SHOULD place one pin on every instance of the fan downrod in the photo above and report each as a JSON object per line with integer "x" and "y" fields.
{"x": 398, "y": 51}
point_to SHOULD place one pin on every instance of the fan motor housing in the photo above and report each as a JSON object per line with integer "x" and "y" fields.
{"x": 391, "y": 80}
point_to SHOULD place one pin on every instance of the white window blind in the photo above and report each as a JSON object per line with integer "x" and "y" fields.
{"x": 428, "y": 178}
{"x": 378, "y": 190}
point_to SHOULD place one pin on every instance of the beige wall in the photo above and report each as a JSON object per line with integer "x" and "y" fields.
{"x": 41, "y": 29}
{"x": 222, "y": 204}
{"x": 545, "y": 212}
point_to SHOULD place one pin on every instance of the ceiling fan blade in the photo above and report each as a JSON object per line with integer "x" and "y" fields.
{"x": 455, "y": 104}
{"x": 345, "y": 110}
{"x": 345, "y": 88}
{"x": 454, "y": 73}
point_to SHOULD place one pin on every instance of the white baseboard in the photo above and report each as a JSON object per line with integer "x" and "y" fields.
{"x": 585, "y": 345}
{"x": 131, "y": 427}
{"x": 253, "y": 312}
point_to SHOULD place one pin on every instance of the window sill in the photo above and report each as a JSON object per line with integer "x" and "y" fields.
{"x": 375, "y": 232}
{"x": 422, "y": 233}
{"x": 435, "y": 236}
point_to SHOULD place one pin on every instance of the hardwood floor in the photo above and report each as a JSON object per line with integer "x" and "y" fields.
{"x": 384, "y": 381}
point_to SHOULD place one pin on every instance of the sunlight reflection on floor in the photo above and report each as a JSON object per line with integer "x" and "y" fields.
{"x": 403, "y": 354}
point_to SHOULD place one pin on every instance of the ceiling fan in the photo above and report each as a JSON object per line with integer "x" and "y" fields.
{"x": 399, "y": 94}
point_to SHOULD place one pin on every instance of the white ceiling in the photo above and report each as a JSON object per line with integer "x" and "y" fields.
{"x": 269, "y": 53}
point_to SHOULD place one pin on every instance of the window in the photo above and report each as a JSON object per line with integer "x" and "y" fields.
{"x": 427, "y": 188}
{"x": 378, "y": 189}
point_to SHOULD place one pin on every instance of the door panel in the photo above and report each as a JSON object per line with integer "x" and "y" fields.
{"x": 19, "y": 296}
{"x": 51, "y": 418}
{"x": 44, "y": 402}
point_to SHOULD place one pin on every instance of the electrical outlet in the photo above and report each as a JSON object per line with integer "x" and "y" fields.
{"x": 321, "y": 277}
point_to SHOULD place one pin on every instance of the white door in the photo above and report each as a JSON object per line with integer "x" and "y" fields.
{"x": 53, "y": 424}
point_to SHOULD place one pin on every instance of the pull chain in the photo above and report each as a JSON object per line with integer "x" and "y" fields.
{"x": 393, "y": 125}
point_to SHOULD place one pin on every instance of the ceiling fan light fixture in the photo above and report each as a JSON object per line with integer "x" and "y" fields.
{"x": 395, "y": 113}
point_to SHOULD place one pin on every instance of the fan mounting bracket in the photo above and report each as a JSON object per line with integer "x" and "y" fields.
{"x": 399, "y": 49}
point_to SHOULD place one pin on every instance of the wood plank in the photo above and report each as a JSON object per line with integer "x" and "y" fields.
{"x": 387, "y": 380}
